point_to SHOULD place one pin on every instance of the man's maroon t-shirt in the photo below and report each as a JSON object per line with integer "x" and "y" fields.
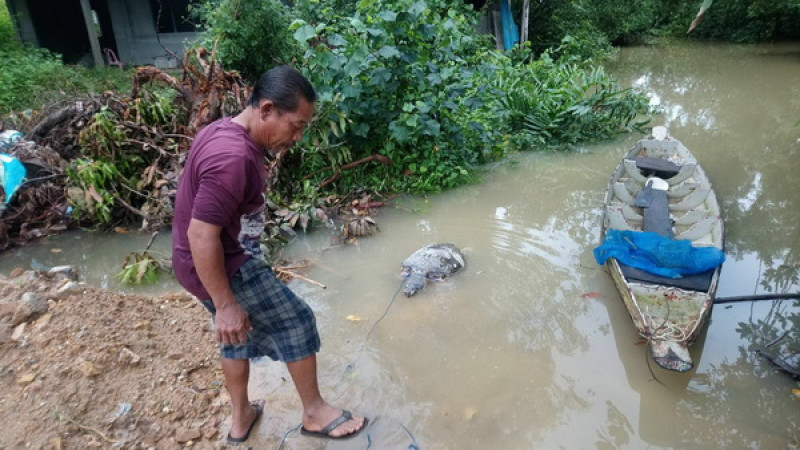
{"x": 222, "y": 181}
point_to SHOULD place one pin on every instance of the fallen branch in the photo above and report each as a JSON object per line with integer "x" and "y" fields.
{"x": 337, "y": 171}
{"x": 294, "y": 275}
{"x": 48, "y": 123}
{"x": 87, "y": 428}
{"x": 152, "y": 239}
{"x": 131, "y": 208}
{"x": 370, "y": 205}
{"x": 288, "y": 268}
{"x": 148, "y": 74}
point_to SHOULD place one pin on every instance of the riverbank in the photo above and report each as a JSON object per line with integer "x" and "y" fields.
{"x": 84, "y": 367}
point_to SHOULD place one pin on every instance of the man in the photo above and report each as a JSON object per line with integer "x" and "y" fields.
{"x": 219, "y": 216}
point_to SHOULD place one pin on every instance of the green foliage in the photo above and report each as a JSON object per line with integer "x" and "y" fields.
{"x": 592, "y": 24}
{"x": 595, "y": 23}
{"x": 8, "y": 37}
{"x": 551, "y": 21}
{"x": 115, "y": 163}
{"x": 624, "y": 23}
{"x": 250, "y": 36}
{"x": 740, "y": 20}
{"x": 412, "y": 80}
{"x": 99, "y": 182}
{"x": 139, "y": 268}
{"x": 155, "y": 107}
{"x": 103, "y": 136}
{"x": 33, "y": 77}
{"x": 397, "y": 71}
{"x": 24, "y": 75}
{"x": 549, "y": 102}
{"x": 321, "y": 11}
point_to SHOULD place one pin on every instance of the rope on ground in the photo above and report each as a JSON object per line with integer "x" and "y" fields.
{"x": 286, "y": 436}
{"x": 413, "y": 445}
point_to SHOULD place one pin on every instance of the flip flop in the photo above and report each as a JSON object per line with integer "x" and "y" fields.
{"x": 325, "y": 433}
{"x": 259, "y": 406}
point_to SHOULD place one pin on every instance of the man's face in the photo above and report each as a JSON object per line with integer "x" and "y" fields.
{"x": 278, "y": 130}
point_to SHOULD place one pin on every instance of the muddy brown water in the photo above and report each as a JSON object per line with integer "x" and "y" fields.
{"x": 530, "y": 346}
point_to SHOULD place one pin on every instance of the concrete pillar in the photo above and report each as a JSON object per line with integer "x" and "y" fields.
{"x": 88, "y": 18}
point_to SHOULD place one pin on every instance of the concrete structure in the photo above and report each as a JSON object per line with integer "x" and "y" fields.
{"x": 92, "y": 32}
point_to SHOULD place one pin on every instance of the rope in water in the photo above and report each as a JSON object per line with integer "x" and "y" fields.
{"x": 349, "y": 368}
{"x": 391, "y": 302}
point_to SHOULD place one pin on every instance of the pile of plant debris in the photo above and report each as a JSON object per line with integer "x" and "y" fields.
{"x": 112, "y": 159}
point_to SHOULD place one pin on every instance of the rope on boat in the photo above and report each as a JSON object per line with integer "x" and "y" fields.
{"x": 648, "y": 349}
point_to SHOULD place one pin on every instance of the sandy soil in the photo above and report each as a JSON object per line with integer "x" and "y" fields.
{"x": 87, "y": 368}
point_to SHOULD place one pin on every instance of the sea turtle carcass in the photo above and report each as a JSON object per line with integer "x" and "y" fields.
{"x": 434, "y": 262}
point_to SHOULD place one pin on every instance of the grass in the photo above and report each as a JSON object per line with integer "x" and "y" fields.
{"x": 8, "y": 37}
{"x": 32, "y": 78}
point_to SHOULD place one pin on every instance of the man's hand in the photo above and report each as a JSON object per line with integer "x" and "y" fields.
{"x": 232, "y": 324}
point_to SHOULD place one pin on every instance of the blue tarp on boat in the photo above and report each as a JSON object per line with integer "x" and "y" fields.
{"x": 656, "y": 254}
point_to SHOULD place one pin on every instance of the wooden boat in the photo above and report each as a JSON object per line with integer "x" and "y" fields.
{"x": 668, "y": 312}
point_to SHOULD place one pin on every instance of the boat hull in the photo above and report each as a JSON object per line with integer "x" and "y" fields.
{"x": 668, "y": 313}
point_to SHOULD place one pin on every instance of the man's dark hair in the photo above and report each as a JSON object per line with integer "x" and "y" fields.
{"x": 283, "y": 85}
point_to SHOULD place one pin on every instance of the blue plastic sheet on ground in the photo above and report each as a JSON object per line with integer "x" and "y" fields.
{"x": 656, "y": 254}
{"x": 12, "y": 172}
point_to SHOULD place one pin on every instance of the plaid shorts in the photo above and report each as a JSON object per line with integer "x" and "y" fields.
{"x": 284, "y": 327}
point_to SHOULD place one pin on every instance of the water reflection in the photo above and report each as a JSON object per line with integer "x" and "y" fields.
{"x": 727, "y": 393}
{"x": 736, "y": 108}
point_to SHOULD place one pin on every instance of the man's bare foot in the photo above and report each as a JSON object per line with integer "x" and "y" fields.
{"x": 241, "y": 428}
{"x": 330, "y": 422}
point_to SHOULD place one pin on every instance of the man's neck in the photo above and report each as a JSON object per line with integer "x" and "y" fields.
{"x": 244, "y": 118}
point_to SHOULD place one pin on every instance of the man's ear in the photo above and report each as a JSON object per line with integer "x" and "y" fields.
{"x": 265, "y": 108}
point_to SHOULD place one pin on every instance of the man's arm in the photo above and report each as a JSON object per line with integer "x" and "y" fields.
{"x": 232, "y": 323}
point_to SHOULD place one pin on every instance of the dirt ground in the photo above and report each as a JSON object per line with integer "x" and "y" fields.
{"x": 88, "y": 368}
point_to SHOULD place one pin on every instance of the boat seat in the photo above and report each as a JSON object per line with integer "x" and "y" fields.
{"x": 615, "y": 218}
{"x": 622, "y": 193}
{"x": 681, "y": 190}
{"x": 676, "y": 192}
{"x": 699, "y": 229}
{"x": 687, "y": 170}
{"x": 692, "y": 217}
{"x": 692, "y": 200}
{"x": 657, "y": 167}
